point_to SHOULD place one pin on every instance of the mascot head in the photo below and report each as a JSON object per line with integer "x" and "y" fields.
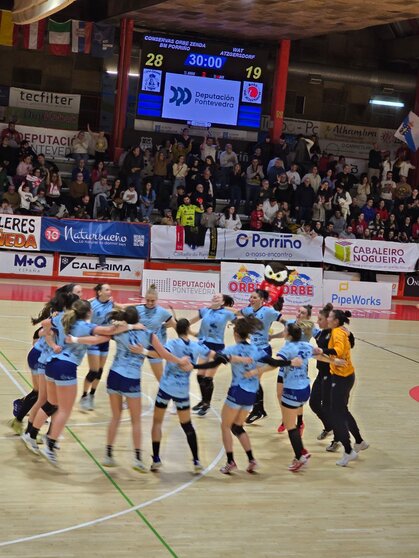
{"x": 276, "y": 273}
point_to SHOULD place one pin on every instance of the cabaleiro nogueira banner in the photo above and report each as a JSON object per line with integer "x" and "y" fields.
{"x": 371, "y": 254}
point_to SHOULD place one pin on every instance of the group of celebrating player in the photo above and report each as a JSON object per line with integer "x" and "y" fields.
{"x": 70, "y": 326}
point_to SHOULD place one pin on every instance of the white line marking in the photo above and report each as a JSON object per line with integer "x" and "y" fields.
{"x": 123, "y": 512}
{"x": 16, "y": 340}
{"x": 145, "y": 414}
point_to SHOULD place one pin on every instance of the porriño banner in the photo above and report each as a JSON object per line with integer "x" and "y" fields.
{"x": 371, "y": 254}
{"x": 182, "y": 285}
{"x": 17, "y": 263}
{"x": 95, "y": 237}
{"x": 103, "y": 268}
{"x": 357, "y": 294}
{"x": 20, "y": 232}
{"x": 178, "y": 243}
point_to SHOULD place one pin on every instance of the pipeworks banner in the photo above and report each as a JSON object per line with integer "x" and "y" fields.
{"x": 371, "y": 254}
{"x": 44, "y": 108}
{"x": 19, "y": 232}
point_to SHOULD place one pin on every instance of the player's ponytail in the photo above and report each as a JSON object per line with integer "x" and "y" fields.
{"x": 79, "y": 311}
{"x": 243, "y": 327}
{"x": 342, "y": 316}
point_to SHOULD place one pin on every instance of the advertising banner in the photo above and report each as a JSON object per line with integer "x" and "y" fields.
{"x": 20, "y": 232}
{"x": 371, "y": 254}
{"x": 44, "y": 100}
{"x": 34, "y": 117}
{"x": 411, "y": 285}
{"x": 27, "y": 264}
{"x": 175, "y": 243}
{"x": 182, "y": 285}
{"x": 252, "y": 245}
{"x": 392, "y": 279}
{"x": 240, "y": 280}
{"x": 52, "y": 143}
{"x": 109, "y": 268}
{"x": 357, "y": 294}
{"x": 95, "y": 237}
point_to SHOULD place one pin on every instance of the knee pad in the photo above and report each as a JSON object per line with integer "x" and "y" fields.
{"x": 99, "y": 374}
{"x": 237, "y": 430}
{"x": 91, "y": 376}
{"x": 49, "y": 409}
{"x": 187, "y": 427}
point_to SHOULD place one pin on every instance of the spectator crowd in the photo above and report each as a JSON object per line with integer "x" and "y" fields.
{"x": 280, "y": 188}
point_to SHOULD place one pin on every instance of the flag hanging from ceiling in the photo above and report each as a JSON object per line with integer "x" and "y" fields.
{"x": 103, "y": 40}
{"x": 408, "y": 131}
{"x": 33, "y": 35}
{"x": 81, "y": 40}
{"x": 6, "y": 28}
{"x": 59, "y": 35}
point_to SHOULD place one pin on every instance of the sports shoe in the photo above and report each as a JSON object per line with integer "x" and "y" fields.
{"x": 90, "y": 402}
{"x": 44, "y": 440}
{"x": 301, "y": 429}
{"x": 197, "y": 466}
{"x": 306, "y": 453}
{"x": 196, "y": 407}
{"x": 347, "y": 458}
{"x": 156, "y": 464}
{"x": 203, "y": 410}
{"x": 333, "y": 446}
{"x": 228, "y": 468}
{"x": 255, "y": 415}
{"x": 252, "y": 466}
{"x": 362, "y": 446}
{"x": 139, "y": 466}
{"x": 109, "y": 461}
{"x": 172, "y": 408}
{"x": 324, "y": 434}
{"x": 297, "y": 464}
{"x": 281, "y": 428}
{"x": 16, "y": 426}
{"x": 84, "y": 404}
{"x": 49, "y": 455}
{"x": 30, "y": 443}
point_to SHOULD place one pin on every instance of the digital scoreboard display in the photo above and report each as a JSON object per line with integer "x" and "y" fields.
{"x": 201, "y": 83}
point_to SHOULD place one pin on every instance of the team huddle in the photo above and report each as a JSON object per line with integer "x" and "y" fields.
{"x": 69, "y": 327}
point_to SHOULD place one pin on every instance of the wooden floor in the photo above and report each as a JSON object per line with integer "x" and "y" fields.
{"x": 367, "y": 510}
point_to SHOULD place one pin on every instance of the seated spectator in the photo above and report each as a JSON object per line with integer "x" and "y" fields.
{"x": 391, "y": 236}
{"x": 53, "y": 188}
{"x": 147, "y": 201}
{"x": 280, "y": 222}
{"x": 209, "y": 219}
{"x": 4, "y": 181}
{"x": 275, "y": 170}
{"x": 187, "y": 213}
{"x": 194, "y": 173}
{"x": 130, "y": 198}
{"x": 26, "y": 198}
{"x": 35, "y": 181}
{"x": 80, "y": 147}
{"x": 177, "y": 199}
{"x": 99, "y": 171}
{"x": 346, "y": 178}
{"x": 293, "y": 176}
{"x": 116, "y": 202}
{"x": 101, "y": 186}
{"x": 237, "y": 182}
{"x": 367, "y": 235}
{"x": 314, "y": 178}
{"x": 403, "y": 237}
{"x": 101, "y": 204}
{"x": 415, "y": 231}
{"x": 168, "y": 218}
{"x": 81, "y": 168}
{"x": 413, "y": 198}
{"x": 363, "y": 190}
{"x": 99, "y": 144}
{"x": 286, "y": 209}
{"x": 283, "y": 190}
{"x": 342, "y": 200}
{"x": 12, "y": 196}
{"x": 392, "y": 225}
{"x": 148, "y": 169}
{"x": 306, "y": 230}
{"x": 319, "y": 210}
{"x": 382, "y": 211}
{"x": 206, "y": 180}
{"x": 5, "y": 207}
{"x": 375, "y": 225}
{"x": 265, "y": 192}
{"x": 8, "y": 157}
{"x": 13, "y": 136}
{"x": 230, "y": 219}
{"x": 83, "y": 208}
{"x": 319, "y": 228}
{"x": 270, "y": 209}
{"x": 78, "y": 189}
{"x": 400, "y": 211}
{"x": 406, "y": 226}
{"x": 180, "y": 170}
{"x": 40, "y": 206}
{"x": 24, "y": 167}
{"x": 359, "y": 226}
{"x": 304, "y": 200}
{"x": 329, "y": 179}
{"x": 386, "y": 190}
{"x": 403, "y": 190}
{"x": 256, "y": 218}
{"x": 323, "y": 163}
{"x": 338, "y": 221}
{"x": 254, "y": 177}
{"x": 330, "y": 230}
{"x": 368, "y": 210}
{"x": 209, "y": 163}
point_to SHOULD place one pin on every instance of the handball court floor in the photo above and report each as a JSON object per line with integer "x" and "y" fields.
{"x": 367, "y": 510}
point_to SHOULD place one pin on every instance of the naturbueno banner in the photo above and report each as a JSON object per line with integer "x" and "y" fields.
{"x": 95, "y": 237}
{"x": 371, "y": 254}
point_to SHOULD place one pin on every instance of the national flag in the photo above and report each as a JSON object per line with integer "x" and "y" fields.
{"x": 408, "y": 131}
{"x": 33, "y": 35}
{"x": 81, "y": 37}
{"x": 103, "y": 40}
{"x": 59, "y": 37}
{"x": 6, "y": 28}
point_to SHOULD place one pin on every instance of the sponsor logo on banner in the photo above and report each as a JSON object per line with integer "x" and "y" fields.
{"x": 392, "y": 279}
{"x": 176, "y": 243}
{"x": 20, "y": 232}
{"x": 252, "y": 92}
{"x": 240, "y": 280}
{"x": 357, "y": 294}
{"x": 304, "y": 286}
{"x": 182, "y": 285}
{"x": 44, "y": 100}
{"x": 111, "y": 268}
{"x": 375, "y": 255}
{"x": 151, "y": 80}
{"x": 52, "y": 143}
{"x": 19, "y": 263}
{"x": 411, "y": 285}
{"x": 95, "y": 237}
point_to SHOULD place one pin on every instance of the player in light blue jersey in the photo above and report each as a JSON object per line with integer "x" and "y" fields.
{"x": 157, "y": 319}
{"x": 174, "y": 385}
{"x": 102, "y": 306}
{"x": 214, "y": 320}
{"x": 241, "y": 396}
{"x": 267, "y": 315}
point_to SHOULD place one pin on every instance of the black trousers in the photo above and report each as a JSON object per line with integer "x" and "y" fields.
{"x": 320, "y": 398}
{"x": 342, "y": 420}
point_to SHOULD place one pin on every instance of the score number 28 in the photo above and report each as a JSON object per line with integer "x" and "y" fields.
{"x": 155, "y": 60}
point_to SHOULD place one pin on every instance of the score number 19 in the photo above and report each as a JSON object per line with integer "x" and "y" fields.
{"x": 253, "y": 72}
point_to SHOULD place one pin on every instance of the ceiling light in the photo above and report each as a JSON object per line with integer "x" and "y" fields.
{"x": 115, "y": 73}
{"x": 395, "y": 104}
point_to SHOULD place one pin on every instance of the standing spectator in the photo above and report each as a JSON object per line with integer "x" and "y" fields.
{"x": 179, "y": 149}
{"x": 99, "y": 144}
{"x": 359, "y": 226}
{"x": 329, "y": 179}
{"x": 293, "y": 176}
{"x": 283, "y": 190}
{"x": 302, "y": 154}
{"x": 209, "y": 148}
{"x": 270, "y": 209}
{"x": 304, "y": 200}
{"x": 80, "y": 147}
{"x": 24, "y": 167}
{"x": 180, "y": 170}
{"x": 342, "y": 200}
{"x": 254, "y": 176}
{"x": 256, "y": 218}
{"x": 237, "y": 183}
{"x": 132, "y": 167}
{"x": 363, "y": 189}
{"x": 368, "y": 210}
{"x": 207, "y": 181}
{"x": 280, "y": 223}
{"x": 12, "y": 197}
{"x": 130, "y": 198}
{"x": 26, "y": 198}
{"x": 230, "y": 219}
{"x": 168, "y": 218}
{"x": 185, "y": 138}
{"x": 8, "y": 156}
{"x": 387, "y": 164}
{"x": 415, "y": 231}
{"x": 209, "y": 219}
{"x": 187, "y": 212}
{"x": 374, "y": 162}
{"x": 148, "y": 164}
{"x": 228, "y": 160}
{"x": 391, "y": 225}
{"x": 387, "y": 189}
{"x": 147, "y": 201}
{"x": 403, "y": 190}
{"x": 15, "y": 138}
{"x": 200, "y": 198}
{"x": 266, "y": 191}
{"x": 53, "y": 188}
{"x": 159, "y": 181}
{"x": 275, "y": 170}
{"x": 4, "y": 181}
{"x": 346, "y": 178}
{"x": 400, "y": 212}
{"x": 319, "y": 211}
{"x": 314, "y": 178}
{"x": 402, "y": 167}
{"x": 281, "y": 149}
